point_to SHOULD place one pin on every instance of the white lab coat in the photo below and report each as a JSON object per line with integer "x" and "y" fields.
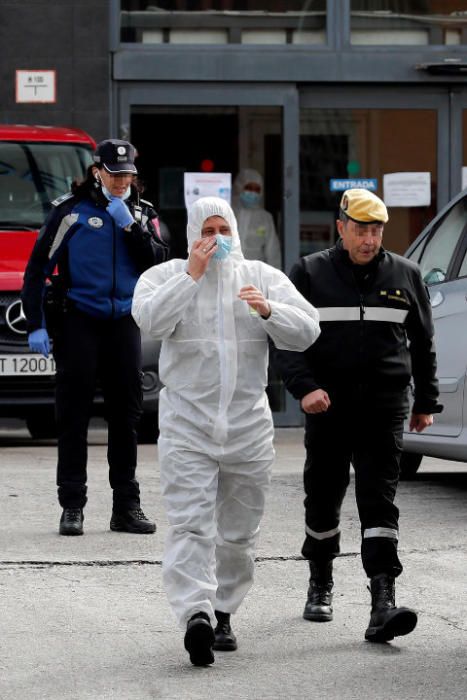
{"x": 216, "y": 430}
{"x": 255, "y": 225}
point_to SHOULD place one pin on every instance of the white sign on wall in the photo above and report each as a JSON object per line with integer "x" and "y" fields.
{"x": 35, "y": 86}
{"x": 198, "y": 185}
{"x": 407, "y": 189}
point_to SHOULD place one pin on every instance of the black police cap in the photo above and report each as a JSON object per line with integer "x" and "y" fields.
{"x": 116, "y": 156}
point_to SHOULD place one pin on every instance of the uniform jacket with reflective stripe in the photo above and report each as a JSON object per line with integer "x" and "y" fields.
{"x": 376, "y": 328}
{"x": 100, "y": 262}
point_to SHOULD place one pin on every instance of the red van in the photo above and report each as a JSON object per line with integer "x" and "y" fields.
{"x": 37, "y": 165}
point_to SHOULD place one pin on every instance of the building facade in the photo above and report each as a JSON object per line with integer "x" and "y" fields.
{"x": 314, "y": 94}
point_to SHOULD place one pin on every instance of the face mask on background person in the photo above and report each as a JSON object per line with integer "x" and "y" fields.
{"x": 249, "y": 198}
{"x": 224, "y": 246}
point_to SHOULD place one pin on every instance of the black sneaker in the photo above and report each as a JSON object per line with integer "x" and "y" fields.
{"x": 131, "y": 521}
{"x": 71, "y": 522}
{"x": 199, "y": 639}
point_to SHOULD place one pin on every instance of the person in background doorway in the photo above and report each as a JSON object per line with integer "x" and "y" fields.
{"x": 352, "y": 384}
{"x": 101, "y": 236}
{"x": 255, "y": 225}
{"x": 214, "y": 314}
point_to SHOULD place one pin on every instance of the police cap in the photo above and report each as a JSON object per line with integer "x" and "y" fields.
{"x": 116, "y": 156}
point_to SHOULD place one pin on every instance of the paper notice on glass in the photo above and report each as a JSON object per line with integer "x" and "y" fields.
{"x": 198, "y": 185}
{"x": 464, "y": 177}
{"x": 407, "y": 189}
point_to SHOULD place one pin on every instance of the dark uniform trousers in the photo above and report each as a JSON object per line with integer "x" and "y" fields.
{"x": 365, "y": 430}
{"x": 87, "y": 349}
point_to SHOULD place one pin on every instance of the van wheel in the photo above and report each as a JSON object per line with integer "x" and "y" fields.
{"x": 410, "y": 462}
{"x": 42, "y": 426}
{"x": 148, "y": 429}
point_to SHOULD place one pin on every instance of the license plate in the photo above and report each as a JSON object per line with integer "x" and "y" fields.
{"x": 15, "y": 365}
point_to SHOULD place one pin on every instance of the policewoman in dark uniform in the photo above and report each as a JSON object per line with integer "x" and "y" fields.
{"x": 102, "y": 237}
{"x": 376, "y": 333}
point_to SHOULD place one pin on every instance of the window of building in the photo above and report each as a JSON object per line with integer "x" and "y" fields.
{"x": 408, "y": 22}
{"x": 357, "y": 148}
{"x": 223, "y": 21}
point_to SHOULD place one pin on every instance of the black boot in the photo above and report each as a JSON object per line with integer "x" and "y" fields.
{"x": 225, "y": 638}
{"x": 71, "y": 521}
{"x": 387, "y": 621}
{"x": 199, "y": 639}
{"x": 131, "y": 521}
{"x": 318, "y": 607}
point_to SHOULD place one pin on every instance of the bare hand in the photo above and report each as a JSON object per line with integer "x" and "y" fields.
{"x": 420, "y": 421}
{"x": 255, "y": 299}
{"x": 201, "y": 253}
{"x": 316, "y": 401}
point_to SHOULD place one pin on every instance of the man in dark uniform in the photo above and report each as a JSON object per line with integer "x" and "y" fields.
{"x": 101, "y": 236}
{"x": 376, "y": 333}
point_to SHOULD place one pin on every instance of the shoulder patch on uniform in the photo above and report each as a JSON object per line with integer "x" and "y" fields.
{"x": 145, "y": 201}
{"x": 62, "y": 199}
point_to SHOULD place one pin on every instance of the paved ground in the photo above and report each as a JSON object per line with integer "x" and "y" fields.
{"x": 86, "y": 618}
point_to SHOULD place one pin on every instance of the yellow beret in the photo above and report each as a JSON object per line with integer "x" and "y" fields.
{"x": 363, "y": 206}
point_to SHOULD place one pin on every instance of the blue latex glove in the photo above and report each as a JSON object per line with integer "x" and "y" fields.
{"x": 119, "y": 212}
{"x": 39, "y": 341}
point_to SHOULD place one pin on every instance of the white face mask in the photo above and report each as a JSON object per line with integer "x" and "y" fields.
{"x": 109, "y": 196}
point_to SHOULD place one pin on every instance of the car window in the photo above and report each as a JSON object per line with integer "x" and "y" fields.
{"x": 34, "y": 174}
{"x": 463, "y": 268}
{"x": 437, "y": 253}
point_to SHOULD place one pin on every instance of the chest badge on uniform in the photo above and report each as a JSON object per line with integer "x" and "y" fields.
{"x": 95, "y": 222}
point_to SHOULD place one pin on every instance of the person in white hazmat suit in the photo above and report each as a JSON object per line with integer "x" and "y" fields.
{"x": 255, "y": 225}
{"x": 214, "y": 314}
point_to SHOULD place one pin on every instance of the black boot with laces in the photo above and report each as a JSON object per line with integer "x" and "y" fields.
{"x": 132, "y": 520}
{"x": 318, "y": 606}
{"x": 387, "y": 621}
{"x": 71, "y": 521}
{"x": 225, "y": 638}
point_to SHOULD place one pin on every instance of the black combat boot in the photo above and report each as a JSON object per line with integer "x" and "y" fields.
{"x": 199, "y": 639}
{"x": 225, "y": 638}
{"x": 387, "y": 621}
{"x": 318, "y": 606}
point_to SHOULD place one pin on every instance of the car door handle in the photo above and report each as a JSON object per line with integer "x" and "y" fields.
{"x": 437, "y": 300}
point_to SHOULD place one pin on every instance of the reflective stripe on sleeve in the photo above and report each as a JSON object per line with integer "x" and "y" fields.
{"x": 371, "y": 313}
{"x": 322, "y": 535}
{"x": 381, "y": 532}
{"x": 65, "y": 224}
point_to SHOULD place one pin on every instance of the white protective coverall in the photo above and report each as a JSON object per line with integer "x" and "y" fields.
{"x": 216, "y": 430}
{"x": 255, "y": 225}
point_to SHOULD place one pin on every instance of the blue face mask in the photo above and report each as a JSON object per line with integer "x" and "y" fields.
{"x": 224, "y": 246}
{"x": 249, "y": 199}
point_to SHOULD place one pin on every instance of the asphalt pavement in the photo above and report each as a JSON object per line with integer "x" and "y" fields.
{"x": 86, "y": 618}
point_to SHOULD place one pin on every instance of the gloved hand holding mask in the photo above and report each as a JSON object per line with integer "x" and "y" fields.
{"x": 119, "y": 212}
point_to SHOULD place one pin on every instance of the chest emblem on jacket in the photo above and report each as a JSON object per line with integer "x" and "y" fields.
{"x": 95, "y": 222}
{"x": 397, "y": 295}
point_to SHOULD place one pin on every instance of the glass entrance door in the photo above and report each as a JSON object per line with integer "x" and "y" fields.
{"x": 394, "y": 145}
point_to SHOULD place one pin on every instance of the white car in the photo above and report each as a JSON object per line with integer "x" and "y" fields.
{"x": 441, "y": 252}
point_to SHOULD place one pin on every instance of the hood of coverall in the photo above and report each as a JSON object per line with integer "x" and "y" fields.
{"x": 244, "y": 176}
{"x": 201, "y": 210}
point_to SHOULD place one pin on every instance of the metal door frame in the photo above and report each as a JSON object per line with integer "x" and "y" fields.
{"x": 128, "y": 96}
